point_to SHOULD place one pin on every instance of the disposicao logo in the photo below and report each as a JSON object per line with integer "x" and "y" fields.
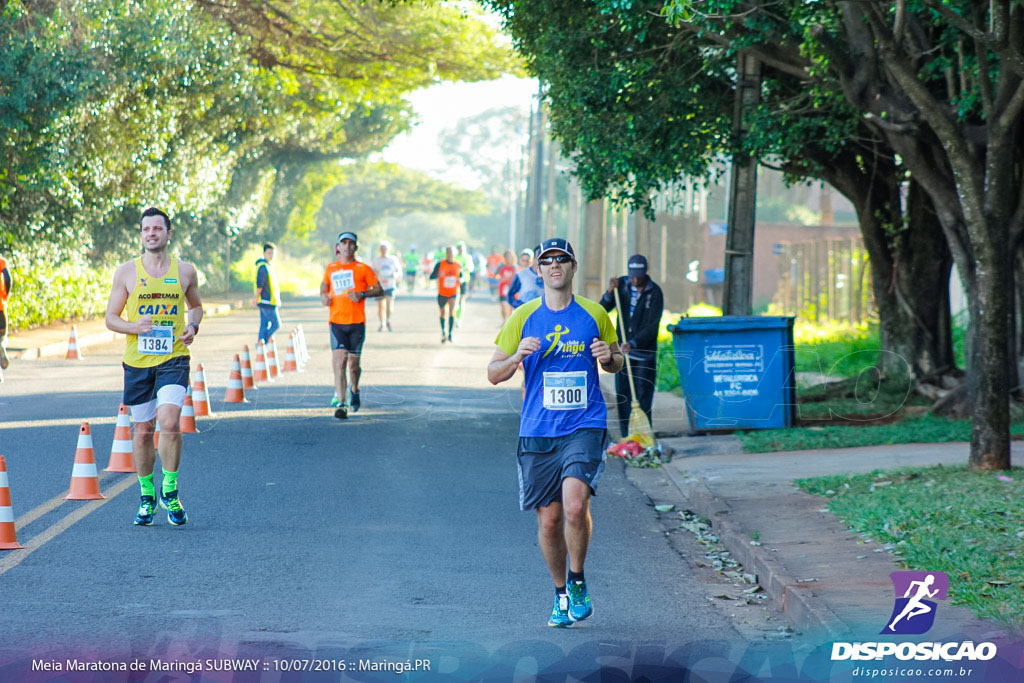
{"x": 913, "y": 614}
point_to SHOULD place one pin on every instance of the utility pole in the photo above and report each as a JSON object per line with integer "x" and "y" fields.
{"x": 535, "y": 190}
{"x": 739, "y": 242}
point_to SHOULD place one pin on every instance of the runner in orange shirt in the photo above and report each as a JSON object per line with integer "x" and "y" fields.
{"x": 346, "y": 285}
{"x": 447, "y": 273}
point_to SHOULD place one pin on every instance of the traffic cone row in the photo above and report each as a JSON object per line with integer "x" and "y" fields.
{"x": 84, "y": 476}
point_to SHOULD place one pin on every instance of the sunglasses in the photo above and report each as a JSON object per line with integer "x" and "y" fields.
{"x": 548, "y": 260}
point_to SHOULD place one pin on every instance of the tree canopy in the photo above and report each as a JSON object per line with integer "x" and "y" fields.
{"x": 214, "y": 111}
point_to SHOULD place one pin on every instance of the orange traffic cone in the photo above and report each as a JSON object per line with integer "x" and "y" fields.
{"x": 289, "y": 356}
{"x": 73, "y": 352}
{"x": 259, "y": 370}
{"x": 8, "y": 536}
{"x": 235, "y": 393}
{"x": 121, "y": 450}
{"x": 187, "y": 421}
{"x": 85, "y": 481}
{"x": 247, "y": 382}
{"x": 199, "y": 399}
{"x": 273, "y": 370}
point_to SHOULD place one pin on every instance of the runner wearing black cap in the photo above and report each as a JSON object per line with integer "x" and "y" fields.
{"x": 560, "y": 340}
{"x": 643, "y": 304}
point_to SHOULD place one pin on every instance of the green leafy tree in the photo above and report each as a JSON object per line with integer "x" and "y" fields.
{"x": 371, "y": 193}
{"x": 637, "y": 103}
{"x": 942, "y": 82}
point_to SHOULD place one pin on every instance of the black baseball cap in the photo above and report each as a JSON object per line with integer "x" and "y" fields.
{"x": 637, "y": 265}
{"x": 555, "y": 244}
{"x": 348, "y": 236}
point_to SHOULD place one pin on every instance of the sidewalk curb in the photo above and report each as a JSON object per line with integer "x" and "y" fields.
{"x": 106, "y": 337}
{"x": 796, "y": 600}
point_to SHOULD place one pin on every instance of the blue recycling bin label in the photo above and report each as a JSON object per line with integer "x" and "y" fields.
{"x": 735, "y": 369}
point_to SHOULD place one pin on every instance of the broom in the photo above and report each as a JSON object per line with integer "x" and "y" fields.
{"x": 638, "y": 422}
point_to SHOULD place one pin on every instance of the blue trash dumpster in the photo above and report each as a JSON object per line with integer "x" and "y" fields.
{"x": 736, "y": 372}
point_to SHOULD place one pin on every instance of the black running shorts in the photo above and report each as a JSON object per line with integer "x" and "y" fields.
{"x": 348, "y": 337}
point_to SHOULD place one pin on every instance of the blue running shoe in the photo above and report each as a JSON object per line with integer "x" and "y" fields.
{"x": 175, "y": 513}
{"x": 334, "y": 400}
{"x": 560, "y": 613}
{"x": 579, "y": 601}
{"x": 147, "y": 510}
{"x": 354, "y": 403}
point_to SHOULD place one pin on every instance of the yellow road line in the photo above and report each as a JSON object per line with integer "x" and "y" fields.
{"x": 52, "y": 504}
{"x": 59, "y": 422}
{"x": 12, "y": 560}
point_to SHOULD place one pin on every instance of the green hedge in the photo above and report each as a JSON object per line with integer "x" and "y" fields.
{"x": 45, "y": 291}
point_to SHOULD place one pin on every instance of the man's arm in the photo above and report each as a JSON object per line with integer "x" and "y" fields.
{"x": 608, "y": 355}
{"x": 325, "y": 294}
{"x": 437, "y": 269}
{"x": 503, "y": 366}
{"x": 190, "y": 278}
{"x": 8, "y": 281}
{"x": 370, "y": 292}
{"x": 119, "y": 299}
{"x": 608, "y": 298}
{"x": 647, "y": 335}
{"x": 262, "y": 283}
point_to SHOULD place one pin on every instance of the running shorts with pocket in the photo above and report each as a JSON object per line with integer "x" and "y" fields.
{"x": 544, "y": 461}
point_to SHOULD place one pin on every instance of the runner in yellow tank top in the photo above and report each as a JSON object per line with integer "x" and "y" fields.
{"x": 159, "y": 295}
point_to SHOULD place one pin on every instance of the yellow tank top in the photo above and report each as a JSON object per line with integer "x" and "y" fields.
{"x": 163, "y": 299}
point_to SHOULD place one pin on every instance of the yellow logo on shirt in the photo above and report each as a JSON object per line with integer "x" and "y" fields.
{"x": 570, "y": 347}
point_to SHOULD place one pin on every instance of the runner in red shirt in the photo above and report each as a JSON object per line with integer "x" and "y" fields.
{"x": 505, "y": 274}
{"x": 447, "y": 273}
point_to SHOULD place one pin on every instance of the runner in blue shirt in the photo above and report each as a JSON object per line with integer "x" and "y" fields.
{"x": 560, "y": 340}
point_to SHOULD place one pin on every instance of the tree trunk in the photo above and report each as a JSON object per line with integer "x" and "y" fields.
{"x": 910, "y": 267}
{"x": 987, "y": 376}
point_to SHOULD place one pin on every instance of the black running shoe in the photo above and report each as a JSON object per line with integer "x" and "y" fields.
{"x": 341, "y": 413}
{"x": 354, "y": 403}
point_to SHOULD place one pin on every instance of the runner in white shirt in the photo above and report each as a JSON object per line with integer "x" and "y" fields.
{"x": 388, "y": 269}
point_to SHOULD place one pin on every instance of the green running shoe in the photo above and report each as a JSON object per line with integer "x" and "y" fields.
{"x": 334, "y": 400}
{"x": 560, "y": 613}
{"x": 175, "y": 513}
{"x": 147, "y": 510}
{"x": 579, "y": 601}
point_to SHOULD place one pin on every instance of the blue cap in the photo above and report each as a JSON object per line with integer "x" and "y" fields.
{"x": 555, "y": 244}
{"x": 637, "y": 265}
{"x": 348, "y": 236}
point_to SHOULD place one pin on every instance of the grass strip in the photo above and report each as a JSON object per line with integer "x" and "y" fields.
{"x": 965, "y": 523}
{"x": 924, "y": 429}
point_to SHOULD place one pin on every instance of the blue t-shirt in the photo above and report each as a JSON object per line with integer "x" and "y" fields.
{"x": 562, "y": 391}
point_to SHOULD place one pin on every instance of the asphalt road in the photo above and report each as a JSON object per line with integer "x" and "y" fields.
{"x": 394, "y": 535}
